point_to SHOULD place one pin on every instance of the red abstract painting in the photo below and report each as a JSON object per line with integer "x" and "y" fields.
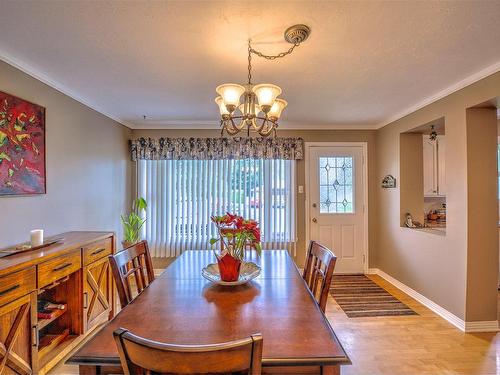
{"x": 22, "y": 146}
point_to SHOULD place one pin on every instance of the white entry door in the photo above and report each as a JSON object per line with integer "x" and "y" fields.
{"x": 336, "y": 203}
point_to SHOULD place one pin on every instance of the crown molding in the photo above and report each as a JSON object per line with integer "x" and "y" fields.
{"x": 173, "y": 124}
{"x": 35, "y": 73}
{"x": 492, "y": 69}
{"x": 213, "y": 124}
{"x": 159, "y": 123}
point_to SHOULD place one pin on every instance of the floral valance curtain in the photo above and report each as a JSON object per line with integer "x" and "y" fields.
{"x": 217, "y": 148}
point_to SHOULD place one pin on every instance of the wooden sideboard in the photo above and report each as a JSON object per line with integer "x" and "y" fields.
{"x": 74, "y": 272}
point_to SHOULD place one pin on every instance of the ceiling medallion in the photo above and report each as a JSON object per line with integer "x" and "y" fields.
{"x": 256, "y": 108}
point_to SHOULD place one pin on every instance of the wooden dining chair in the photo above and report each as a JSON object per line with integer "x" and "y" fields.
{"x": 128, "y": 263}
{"x": 142, "y": 356}
{"x": 318, "y": 272}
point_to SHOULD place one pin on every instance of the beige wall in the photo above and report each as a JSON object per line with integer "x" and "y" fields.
{"x": 482, "y": 208}
{"x": 88, "y": 168}
{"x": 308, "y": 136}
{"x": 436, "y": 266}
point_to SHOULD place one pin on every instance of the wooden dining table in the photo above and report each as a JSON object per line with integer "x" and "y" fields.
{"x": 181, "y": 307}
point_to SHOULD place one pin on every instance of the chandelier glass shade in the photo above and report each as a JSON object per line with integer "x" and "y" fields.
{"x": 255, "y": 108}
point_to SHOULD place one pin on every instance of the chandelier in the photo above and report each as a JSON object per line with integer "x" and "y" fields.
{"x": 252, "y": 107}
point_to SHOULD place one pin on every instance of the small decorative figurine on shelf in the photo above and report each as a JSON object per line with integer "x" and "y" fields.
{"x": 410, "y": 223}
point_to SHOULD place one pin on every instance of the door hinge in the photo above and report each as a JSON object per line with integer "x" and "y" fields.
{"x": 364, "y": 258}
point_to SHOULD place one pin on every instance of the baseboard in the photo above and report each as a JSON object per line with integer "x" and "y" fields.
{"x": 485, "y": 326}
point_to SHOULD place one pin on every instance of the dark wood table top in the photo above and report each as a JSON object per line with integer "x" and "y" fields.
{"x": 181, "y": 307}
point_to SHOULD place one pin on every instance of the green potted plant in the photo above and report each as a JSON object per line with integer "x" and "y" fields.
{"x": 133, "y": 223}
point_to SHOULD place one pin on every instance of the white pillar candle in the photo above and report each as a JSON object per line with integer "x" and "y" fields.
{"x": 36, "y": 237}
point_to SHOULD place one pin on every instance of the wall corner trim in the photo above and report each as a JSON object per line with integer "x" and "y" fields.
{"x": 467, "y": 81}
{"x": 56, "y": 85}
{"x": 483, "y": 326}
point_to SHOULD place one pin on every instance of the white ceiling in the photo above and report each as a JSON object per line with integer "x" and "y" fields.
{"x": 366, "y": 62}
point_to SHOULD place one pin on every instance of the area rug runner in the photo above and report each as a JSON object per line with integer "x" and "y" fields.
{"x": 359, "y": 296}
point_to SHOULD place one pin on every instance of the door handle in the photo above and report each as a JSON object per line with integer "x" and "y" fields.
{"x": 314, "y": 220}
{"x": 315, "y": 205}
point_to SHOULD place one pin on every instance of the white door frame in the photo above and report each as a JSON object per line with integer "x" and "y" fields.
{"x": 307, "y": 157}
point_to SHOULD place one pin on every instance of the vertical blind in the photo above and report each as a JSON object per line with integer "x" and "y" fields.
{"x": 183, "y": 194}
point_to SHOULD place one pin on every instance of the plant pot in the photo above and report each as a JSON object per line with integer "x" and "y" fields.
{"x": 127, "y": 244}
{"x": 229, "y": 267}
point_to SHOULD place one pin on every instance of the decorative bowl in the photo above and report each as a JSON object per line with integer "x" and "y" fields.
{"x": 248, "y": 272}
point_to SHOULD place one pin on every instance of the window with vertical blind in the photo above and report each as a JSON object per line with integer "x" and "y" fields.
{"x": 183, "y": 194}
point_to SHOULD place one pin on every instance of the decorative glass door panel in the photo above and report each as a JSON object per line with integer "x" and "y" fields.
{"x": 336, "y": 185}
{"x": 336, "y": 204}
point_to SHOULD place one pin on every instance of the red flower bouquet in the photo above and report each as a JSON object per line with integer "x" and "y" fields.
{"x": 235, "y": 235}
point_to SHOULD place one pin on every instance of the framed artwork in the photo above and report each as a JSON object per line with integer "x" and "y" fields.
{"x": 22, "y": 146}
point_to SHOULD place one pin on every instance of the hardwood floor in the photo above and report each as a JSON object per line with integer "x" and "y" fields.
{"x": 419, "y": 344}
{"x": 404, "y": 345}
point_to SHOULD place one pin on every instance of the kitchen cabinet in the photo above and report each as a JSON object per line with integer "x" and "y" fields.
{"x": 434, "y": 166}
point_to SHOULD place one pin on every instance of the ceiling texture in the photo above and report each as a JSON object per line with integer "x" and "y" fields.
{"x": 365, "y": 64}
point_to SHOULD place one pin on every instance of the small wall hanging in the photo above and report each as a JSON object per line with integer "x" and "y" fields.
{"x": 389, "y": 182}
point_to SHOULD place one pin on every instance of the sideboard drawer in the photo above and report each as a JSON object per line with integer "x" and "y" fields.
{"x": 97, "y": 250}
{"x": 17, "y": 284}
{"x": 57, "y": 268}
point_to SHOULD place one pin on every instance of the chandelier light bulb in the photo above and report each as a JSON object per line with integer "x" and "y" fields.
{"x": 266, "y": 95}
{"x": 277, "y": 108}
{"x": 222, "y": 107}
{"x": 230, "y": 93}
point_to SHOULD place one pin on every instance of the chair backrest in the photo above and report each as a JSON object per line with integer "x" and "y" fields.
{"x": 130, "y": 262}
{"x": 139, "y": 355}
{"x": 318, "y": 272}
